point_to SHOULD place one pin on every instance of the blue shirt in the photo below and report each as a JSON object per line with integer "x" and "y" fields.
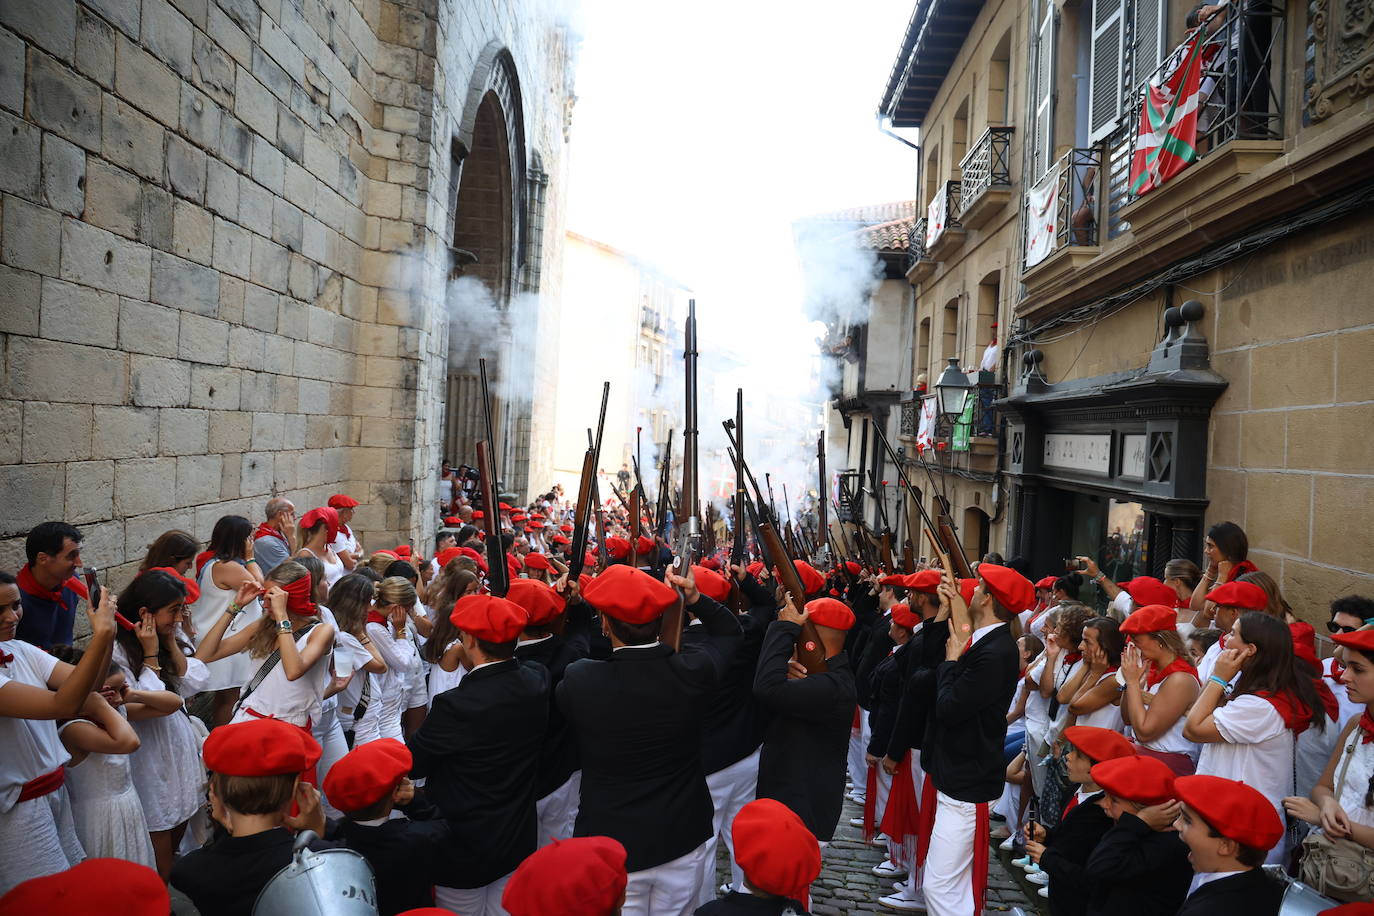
{"x": 47, "y": 623}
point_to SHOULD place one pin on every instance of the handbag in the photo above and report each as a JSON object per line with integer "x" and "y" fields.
{"x": 1338, "y": 868}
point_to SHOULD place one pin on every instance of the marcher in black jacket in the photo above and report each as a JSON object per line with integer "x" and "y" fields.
{"x": 806, "y": 743}
{"x": 924, "y": 652}
{"x": 637, "y": 719}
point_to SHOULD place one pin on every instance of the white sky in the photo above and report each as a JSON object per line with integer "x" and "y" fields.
{"x": 703, "y": 129}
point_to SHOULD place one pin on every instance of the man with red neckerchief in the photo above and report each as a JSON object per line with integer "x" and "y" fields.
{"x": 48, "y": 590}
{"x": 273, "y": 541}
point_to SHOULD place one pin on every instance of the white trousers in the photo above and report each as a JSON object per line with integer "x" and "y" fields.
{"x": 473, "y": 901}
{"x": 329, "y": 733}
{"x": 948, "y": 883}
{"x": 669, "y": 889}
{"x": 557, "y": 811}
{"x": 858, "y": 746}
{"x": 731, "y": 789}
{"x": 39, "y": 838}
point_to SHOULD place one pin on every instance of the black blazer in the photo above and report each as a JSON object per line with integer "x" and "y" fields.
{"x": 918, "y": 689}
{"x": 806, "y": 743}
{"x": 404, "y": 855}
{"x": 967, "y": 726}
{"x": 732, "y": 728}
{"x": 1252, "y": 893}
{"x": 864, "y": 604}
{"x": 1067, "y": 848}
{"x": 479, "y": 750}
{"x": 738, "y": 904}
{"x": 876, "y": 647}
{"x": 1136, "y": 871}
{"x": 558, "y": 757}
{"x": 637, "y": 719}
{"x": 885, "y": 687}
{"x": 225, "y": 877}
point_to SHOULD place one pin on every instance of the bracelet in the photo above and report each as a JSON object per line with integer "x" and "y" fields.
{"x": 150, "y": 656}
{"x": 1219, "y": 682}
{"x": 233, "y": 609}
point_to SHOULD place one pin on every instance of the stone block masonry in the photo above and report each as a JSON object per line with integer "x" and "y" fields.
{"x": 201, "y": 205}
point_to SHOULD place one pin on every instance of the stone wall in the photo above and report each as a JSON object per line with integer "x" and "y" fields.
{"x": 221, "y": 242}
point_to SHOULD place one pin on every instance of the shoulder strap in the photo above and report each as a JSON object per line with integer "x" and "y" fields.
{"x": 365, "y": 699}
{"x": 268, "y": 664}
{"x": 1345, "y": 765}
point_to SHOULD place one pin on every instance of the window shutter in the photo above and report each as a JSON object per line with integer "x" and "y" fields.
{"x": 1151, "y": 21}
{"x": 1042, "y": 152}
{"x": 1106, "y": 71}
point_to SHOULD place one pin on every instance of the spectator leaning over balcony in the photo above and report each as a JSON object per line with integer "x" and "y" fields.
{"x": 345, "y": 545}
{"x": 47, "y": 587}
{"x": 273, "y": 539}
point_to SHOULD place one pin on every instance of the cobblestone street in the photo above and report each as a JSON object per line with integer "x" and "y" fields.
{"x": 848, "y": 885}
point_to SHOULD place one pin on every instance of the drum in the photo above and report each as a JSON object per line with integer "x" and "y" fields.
{"x": 332, "y": 882}
{"x": 1298, "y": 899}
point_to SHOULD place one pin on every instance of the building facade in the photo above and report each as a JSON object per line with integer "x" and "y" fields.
{"x": 1183, "y": 345}
{"x": 228, "y": 233}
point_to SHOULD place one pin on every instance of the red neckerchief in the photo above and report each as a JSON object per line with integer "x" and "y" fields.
{"x": 1337, "y": 669}
{"x": 375, "y": 616}
{"x": 1240, "y": 569}
{"x": 345, "y": 529}
{"x": 205, "y": 556}
{"x": 1367, "y": 726}
{"x": 1073, "y": 803}
{"x": 267, "y": 531}
{"x": 1072, "y": 658}
{"x": 1295, "y": 714}
{"x": 30, "y": 586}
{"x": 1155, "y": 675}
{"x": 1328, "y": 700}
{"x": 5, "y": 658}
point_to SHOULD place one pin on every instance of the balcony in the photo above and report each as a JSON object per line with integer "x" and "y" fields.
{"x": 919, "y": 263}
{"x": 1060, "y": 218}
{"x": 944, "y": 232}
{"x": 986, "y": 172}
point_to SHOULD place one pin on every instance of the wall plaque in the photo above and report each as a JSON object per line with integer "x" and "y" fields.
{"x": 1078, "y": 452}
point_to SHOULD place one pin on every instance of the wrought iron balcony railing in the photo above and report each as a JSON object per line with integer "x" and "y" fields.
{"x": 1062, "y": 210}
{"x": 987, "y": 166}
{"x": 916, "y": 244}
{"x": 942, "y": 216}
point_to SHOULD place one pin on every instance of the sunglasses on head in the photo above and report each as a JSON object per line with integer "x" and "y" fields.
{"x": 1334, "y": 627}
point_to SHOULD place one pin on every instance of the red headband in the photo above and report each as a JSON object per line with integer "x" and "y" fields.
{"x": 298, "y": 596}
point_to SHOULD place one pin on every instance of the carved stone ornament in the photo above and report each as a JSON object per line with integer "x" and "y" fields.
{"x": 1341, "y": 34}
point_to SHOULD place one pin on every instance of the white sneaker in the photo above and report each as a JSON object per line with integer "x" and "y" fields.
{"x": 727, "y": 888}
{"x": 856, "y": 822}
{"x": 916, "y": 904}
{"x": 1008, "y": 844}
{"x": 1021, "y": 862}
{"x": 1044, "y": 892}
{"x": 1031, "y": 869}
{"x": 886, "y": 869}
{"x": 1039, "y": 878}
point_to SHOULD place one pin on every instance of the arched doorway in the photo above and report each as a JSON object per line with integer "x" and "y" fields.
{"x": 976, "y": 533}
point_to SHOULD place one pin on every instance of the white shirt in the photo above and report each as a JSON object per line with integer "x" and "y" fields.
{"x": 1207, "y": 877}
{"x": 1208, "y": 662}
{"x": 31, "y": 746}
{"x": 981, "y": 632}
{"x": 1257, "y": 750}
{"x": 1108, "y": 716}
{"x": 647, "y": 645}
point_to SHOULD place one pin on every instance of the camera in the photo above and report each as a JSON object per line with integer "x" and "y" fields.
{"x": 1073, "y": 564}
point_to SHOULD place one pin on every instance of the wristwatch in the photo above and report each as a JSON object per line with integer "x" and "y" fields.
{"x": 283, "y": 626}
{"x": 1120, "y": 680}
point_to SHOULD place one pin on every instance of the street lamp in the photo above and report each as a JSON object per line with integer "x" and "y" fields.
{"x": 953, "y": 390}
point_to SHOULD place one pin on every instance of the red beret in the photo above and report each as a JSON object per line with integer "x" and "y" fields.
{"x": 260, "y": 747}
{"x": 514, "y": 564}
{"x": 853, "y": 568}
{"x": 1360, "y": 639}
{"x": 1011, "y": 589}
{"x": 538, "y": 515}
{"x": 367, "y": 774}
{"x": 192, "y": 589}
{"x": 566, "y": 528}
{"x": 386, "y": 553}
{"x": 115, "y": 887}
{"x": 559, "y": 539}
{"x": 644, "y": 546}
{"x": 517, "y": 516}
{"x": 904, "y": 616}
{"x": 1350, "y": 909}
{"x": 629, "y": 595}
{"x": 478, "y": 514}
{"x": 453, "y": 520}
{"x": 474, "y": 555}
{"x": 1233, "y": 809}
{"x": 774, "y": 849}
{"x": 1143, "y": 780}
{"x": 1046, "y": 583}
{"x": 896, "y": 581}
{"x": 617, "y": 548}
{"x": 403, "y": 551}
{"x": 324, "y": 514}
{"x": 711, "y": 583}
{"x": 1153, "y": 618}
{"x": 966, "y": 589}
{"x": 1245, "y": 595}
{"x": 584, "y": 876}
{"x": 1149, "y": 590}
{"x": 448, "y": 553}
{"x": 830, "y": 612}
{"x": 536, "y": 561}
{"x": 711, "y": 563}
{"x": 754, "y": 568}
{"x": 927, "y": 580}
{"x": 341, "y": 501}
{"x": 489, "y": 618}
{"x": 503, "y": 507}
{"x": 1099, "y": 743}
{"x": 812, "y": 581}
{"x": 589, "y": 559}
{"x": 539, "y": 600}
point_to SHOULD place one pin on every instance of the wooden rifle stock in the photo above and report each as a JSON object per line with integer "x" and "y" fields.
{"x": 908, "y": 558}
{"x": 885, "y": 544}
{"x": 959, "y": 621}
{"x": 810, "y": 649}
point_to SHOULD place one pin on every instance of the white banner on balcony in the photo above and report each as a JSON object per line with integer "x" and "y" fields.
{"x": 1042, "y": 210}
{"x": 925, "y": 432}
{"x": 935, "y": 217}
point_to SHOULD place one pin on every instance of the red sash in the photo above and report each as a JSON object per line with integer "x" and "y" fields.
{"x": 1155, "y": 676}
{"x": 46, "y": 784}
{"x": 981, "y": 842}
{"x": 902, "y": 816}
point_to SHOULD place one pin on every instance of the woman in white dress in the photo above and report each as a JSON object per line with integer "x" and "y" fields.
{"x": 386, "y": 628}
{"x": 1252, "y": 736}
{"x": 105, "y": 804}
{"x": 1158, "y": 684}
{"x": 318, "y": 529}
{"x": 291, "y": 688}
{"x": 229, "y": 567}
{"x": 443, "y": 650}
{"x": 1093, "y": 696}
{"x": 167, "y": 769}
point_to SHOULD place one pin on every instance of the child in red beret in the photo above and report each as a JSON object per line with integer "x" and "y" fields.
{"x": 780, "y": 858}
{"x": 255, "y": 777}
{"x": 1229, "y": 828}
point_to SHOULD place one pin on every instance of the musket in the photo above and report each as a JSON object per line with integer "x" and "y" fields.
{"x": 738, "y": 550}
{"x": 772, "y": 506}
{"x": 943, "y": 525}
{"x": 823, "y": 494}
{"x": 661, "y": 528}
{"x": 688, "y": 510}
{"x": 586, "y": 492}
{"x": 636, "y": 525}
{"x": 639, "y": 489}
{"x": 752, "y": 518}
{"x": 498, "y": 574}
